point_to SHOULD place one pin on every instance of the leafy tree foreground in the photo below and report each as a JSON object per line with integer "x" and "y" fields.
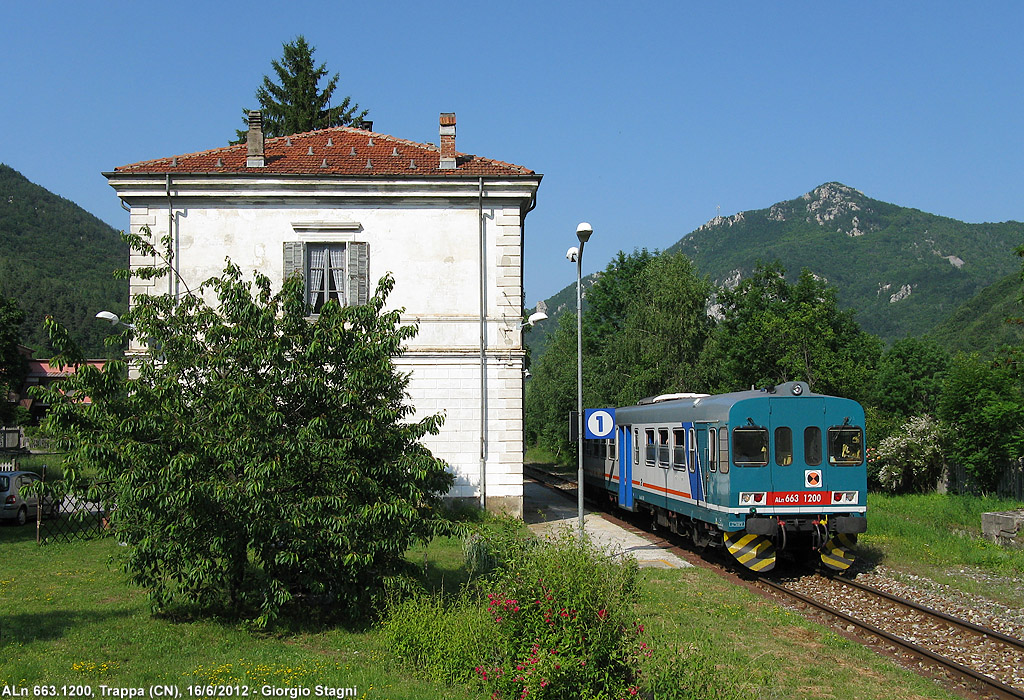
{"x": 260, "y": 459}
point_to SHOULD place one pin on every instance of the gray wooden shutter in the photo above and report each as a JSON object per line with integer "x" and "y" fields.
{"x": 358, "y": 273}
{"x": 294, "y": 259}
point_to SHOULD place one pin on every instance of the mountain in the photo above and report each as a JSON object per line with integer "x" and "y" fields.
{"x": 57, "y": 259}
{"x": 903, "y": 270}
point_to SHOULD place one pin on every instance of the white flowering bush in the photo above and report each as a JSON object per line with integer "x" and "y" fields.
{"x": 912, "y": 458}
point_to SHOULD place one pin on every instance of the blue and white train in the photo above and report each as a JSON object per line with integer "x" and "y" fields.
{"x": 754, "y": 471}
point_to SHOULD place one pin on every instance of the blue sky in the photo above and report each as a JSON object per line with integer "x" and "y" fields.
{"x": 644, "y": 117}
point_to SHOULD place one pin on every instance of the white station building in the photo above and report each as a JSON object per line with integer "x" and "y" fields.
{"x": 346, "y": 205}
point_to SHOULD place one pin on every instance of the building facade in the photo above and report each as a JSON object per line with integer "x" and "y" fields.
{"x": 345, "y": 206}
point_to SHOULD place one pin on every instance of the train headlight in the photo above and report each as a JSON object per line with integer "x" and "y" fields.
{"x": 797, "y": 390}
{"x": 844, "y": 497}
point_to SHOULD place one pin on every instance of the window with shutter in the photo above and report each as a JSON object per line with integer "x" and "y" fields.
{"x": 336, "y": 270}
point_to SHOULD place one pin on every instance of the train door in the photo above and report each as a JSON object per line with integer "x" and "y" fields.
{"x": 693, "y": 464}
{"x": 700, "y": 444}
{"x": 715, "y": 486}
{"x": 626, "y": 464}
{"x": 795, "y": 463}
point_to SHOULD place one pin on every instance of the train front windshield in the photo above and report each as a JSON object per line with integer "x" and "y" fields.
{"x": 845, "y": 446}
{"x": 750, "y": 447}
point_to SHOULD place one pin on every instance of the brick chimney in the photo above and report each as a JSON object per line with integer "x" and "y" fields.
{"x": 254, "y": 141}
{"x": 447, "y": 141}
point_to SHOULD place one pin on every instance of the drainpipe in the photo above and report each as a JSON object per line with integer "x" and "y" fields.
{"x": 172, "y": 283}
{"x": 483, "y": 346}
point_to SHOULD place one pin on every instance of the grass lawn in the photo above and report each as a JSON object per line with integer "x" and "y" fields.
{"x": 939, "y": 536}
{"x": 67, "y": 617}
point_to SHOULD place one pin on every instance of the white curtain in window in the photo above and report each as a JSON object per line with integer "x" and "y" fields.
{"x": 338, "y": 271}
{"x": 317, "y": 265}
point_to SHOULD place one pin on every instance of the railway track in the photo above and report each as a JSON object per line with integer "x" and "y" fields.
{"x": 985, "y": 661}
{"x": 982, "y": 661}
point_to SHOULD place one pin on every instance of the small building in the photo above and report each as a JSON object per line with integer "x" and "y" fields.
{"x": 345, "y": 205}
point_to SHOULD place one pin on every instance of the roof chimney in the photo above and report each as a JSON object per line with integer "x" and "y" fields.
{"x": 447, "y": 141}
{"x": 254, "y": 141}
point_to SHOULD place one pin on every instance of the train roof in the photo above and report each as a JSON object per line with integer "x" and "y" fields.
{"x": 709, "y": 407}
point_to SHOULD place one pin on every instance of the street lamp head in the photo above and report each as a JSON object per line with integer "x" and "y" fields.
{"x": 536, "y": 318}
{"x": 573, "y": 254}
{"x": 109, "y": 316}
{"x": 583, "y": 232}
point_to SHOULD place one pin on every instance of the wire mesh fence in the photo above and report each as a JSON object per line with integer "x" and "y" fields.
{"x": 73, "y": 514}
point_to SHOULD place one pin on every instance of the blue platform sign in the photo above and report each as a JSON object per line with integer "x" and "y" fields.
{"x": 598, "y": 423}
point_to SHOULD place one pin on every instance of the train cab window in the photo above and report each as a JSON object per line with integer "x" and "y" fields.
{"x": 845, "y": 446}
{"x": 783, "y": 446}
{"x": 651, "y": 447}
{"x": 723, "y": 449}
{"x": 750, "y": 447}
{"x": 713, "y": 449}
{"x": 693, "y": 450}
{"x": 636, "y": 446}
{"x": 679, "y": 448}
{"x": 663, "y": 447}
{"x": 812, "y": 446}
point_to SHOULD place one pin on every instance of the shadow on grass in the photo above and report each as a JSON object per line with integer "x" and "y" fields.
{"x": 868, "y": 558}
{"x": 22, "y": 628}
{"x": 11, "y": 532}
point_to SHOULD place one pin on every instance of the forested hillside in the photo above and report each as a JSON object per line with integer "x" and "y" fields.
{"x": 989, "y": 320}
{"x": 56, "y": 259}
{"x": 902, "y": 270}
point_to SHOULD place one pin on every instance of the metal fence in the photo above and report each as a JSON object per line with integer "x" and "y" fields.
{"x": 1010, "y": 486}
{"x": 71, "y": 515}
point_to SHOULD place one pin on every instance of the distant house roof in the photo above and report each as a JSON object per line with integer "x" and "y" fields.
{"x": 341, "y": 150}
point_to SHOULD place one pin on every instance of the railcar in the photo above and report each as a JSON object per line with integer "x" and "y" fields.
{"x": 756, "y": 472}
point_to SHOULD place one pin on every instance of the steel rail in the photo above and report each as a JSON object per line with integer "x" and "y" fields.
{"x": 990, "y": 684}
{"x": 932, "y": 612}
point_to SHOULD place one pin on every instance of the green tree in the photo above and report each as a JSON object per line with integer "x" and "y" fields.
{"x": 773, "y": 331}
{"x": 296, "y": 102}
{"x": 982, "y": 403}
{"x": 908, "y": 381}
{"x": 13, "y": 365}
{"x": 551, "y": 391}
{"x": 260, "y": 459}
{"x": 662, "y": 336}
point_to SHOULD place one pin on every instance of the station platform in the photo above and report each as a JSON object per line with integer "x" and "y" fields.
{"x": 547, "y": 510}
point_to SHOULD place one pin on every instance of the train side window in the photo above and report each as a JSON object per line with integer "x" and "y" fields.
{"x": 713, "y": 449}
{"x": 845, "y": 446}
{"x": 783, "y": 446}
{"x": 651, "y": 447}
{"x": 812, "y": 446}
{"x": 612, "y": 452}
{"x": 636, "y": 446}
{"x": 750, "y": 447}
{"x": 679, "y": 448}
{"x": 723, "y": 449}
{"x": 663, "y": 447}
{"x": 692, "y": 456}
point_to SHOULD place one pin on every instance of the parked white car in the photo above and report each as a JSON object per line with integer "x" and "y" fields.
{"x": 17, "y": 506}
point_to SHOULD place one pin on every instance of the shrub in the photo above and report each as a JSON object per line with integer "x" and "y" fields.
{"x": 912, "y": 458}
{"x": 553, "y": 619}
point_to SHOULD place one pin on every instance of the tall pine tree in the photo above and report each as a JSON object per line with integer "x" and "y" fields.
{"x": 296, "y": 103}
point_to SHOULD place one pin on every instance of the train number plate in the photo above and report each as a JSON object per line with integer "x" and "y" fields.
{"x": 798, "y": 498}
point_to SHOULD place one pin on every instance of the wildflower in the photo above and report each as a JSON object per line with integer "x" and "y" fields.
{"x": 602, "y": 613}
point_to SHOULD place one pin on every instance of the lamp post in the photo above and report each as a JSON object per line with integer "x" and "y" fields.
{"x": 583, "y": 233}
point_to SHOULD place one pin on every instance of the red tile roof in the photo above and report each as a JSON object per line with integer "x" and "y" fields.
{"x": 341, "y": 150}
